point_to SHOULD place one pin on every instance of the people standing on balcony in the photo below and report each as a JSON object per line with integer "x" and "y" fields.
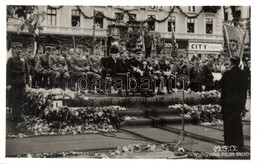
{"x": 42, "y": 67}
{"x": 17, "y": 79}
{"x": 58, "y": 69}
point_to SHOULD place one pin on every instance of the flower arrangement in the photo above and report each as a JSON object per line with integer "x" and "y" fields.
{"x": 203, "y": 114}
{"x": 69, "y": 120}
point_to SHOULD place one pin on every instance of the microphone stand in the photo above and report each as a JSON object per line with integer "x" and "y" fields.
{"x": 183, "y": 133}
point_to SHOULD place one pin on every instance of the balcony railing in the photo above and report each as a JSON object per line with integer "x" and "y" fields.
{"x": 104, "y": 32}
{"x": 193, "y": 36}
{"x": 62, "y": 30}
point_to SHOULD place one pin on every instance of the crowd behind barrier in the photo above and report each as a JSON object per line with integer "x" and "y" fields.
{"x": 128, "y": 73}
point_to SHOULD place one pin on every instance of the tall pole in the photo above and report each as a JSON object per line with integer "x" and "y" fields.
{"x": 142, "y": 33}
{"x": 94, "y": 38}
{"x": 173, "y": 38}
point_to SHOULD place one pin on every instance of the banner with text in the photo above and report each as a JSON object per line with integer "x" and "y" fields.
{"x": 201, "y": 46}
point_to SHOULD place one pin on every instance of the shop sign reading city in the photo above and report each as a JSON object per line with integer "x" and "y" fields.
{"x": 197, "y": 46}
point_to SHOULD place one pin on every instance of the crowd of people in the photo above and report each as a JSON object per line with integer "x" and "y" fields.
{"x": 130, "y": 73}
{"x": 62, "y": 67}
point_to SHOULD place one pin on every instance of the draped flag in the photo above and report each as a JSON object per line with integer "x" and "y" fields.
{"x": 235, "y": 40}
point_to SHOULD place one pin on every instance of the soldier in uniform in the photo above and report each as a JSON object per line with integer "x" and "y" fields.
{"x": 146, "y": 73}
{"x": 156, "y": 73}
{"x": 166, "y": 73}
{"x": 31, "y": 59}
{"x": 79, "y": 67}
{"x": 135, "y": 65}
{"x": 207, "y": 77}
{"x": 17, "y": 77}
{"x": 184, "y": 74}
{"x": 42, "y": 67}
{"x": 195, "y": 76}
{"x": 95, "y": 70}
{"x": 58, "y": 69}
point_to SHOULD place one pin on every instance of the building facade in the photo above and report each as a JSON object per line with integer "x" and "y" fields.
{"x": 198, "y": 29}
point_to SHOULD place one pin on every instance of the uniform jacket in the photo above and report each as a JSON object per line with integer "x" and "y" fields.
{"x": 42, "y": 63}
{"x": 207, "y": 77}
{"x": 17, "y": 72}
{"x": 195, "y": 74}
{"x": 94, "y": 62}
{"x": 78, "y": 64}
{"x": 58, "y": 63}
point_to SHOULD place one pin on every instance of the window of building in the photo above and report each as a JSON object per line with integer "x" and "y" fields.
{"x": 191, "y": 8}
{"x": 151, "y": 22}
{"x": 171, "y": 22}
{"x": 51, "y": 16}
{"x": 190, "y": 25}
{"x": 209, "y": 26}
{"x": 99, "y": 20}
{"x": 226, "y": 16}
{"x": 75, "y": 18}
{"x": 238, "y": 14}
{"x": 132, "y": 17}
{"x": 119, "y": 17}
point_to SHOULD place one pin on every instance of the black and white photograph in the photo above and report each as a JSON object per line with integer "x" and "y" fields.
{"x": 128, "y": 82}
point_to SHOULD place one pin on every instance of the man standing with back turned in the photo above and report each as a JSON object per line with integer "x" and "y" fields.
{"x": 233, "y": 99}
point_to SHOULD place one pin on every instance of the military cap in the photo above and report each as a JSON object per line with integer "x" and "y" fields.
{"x": 58, "y": 47}
{"x": 114, "y": 49}
{"x": 16, "y": 45}
{"x": 137, "y": 51}
{"x": 48, "y": 48}
{"x": 80, "y": 46}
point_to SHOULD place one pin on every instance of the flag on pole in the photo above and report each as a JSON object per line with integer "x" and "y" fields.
{"x": 173, "y": 39}
{"x": 94, "y": 37}
{"x": 235, "y": 40}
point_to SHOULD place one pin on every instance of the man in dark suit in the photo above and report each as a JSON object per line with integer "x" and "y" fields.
{"x": 17, "y": 78}
{"x": 110, "y": 67}
{"x": 233, "y": 99}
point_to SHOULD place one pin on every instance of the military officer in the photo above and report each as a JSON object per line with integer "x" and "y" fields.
{"x": 79, "y": 66}
{"x": 166, "y": 73}
{"x": 59, "y": 69}
{"x": 17, "y": 79}
{"x": 207, "y": 77}
{"x": 94, "y": 73}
